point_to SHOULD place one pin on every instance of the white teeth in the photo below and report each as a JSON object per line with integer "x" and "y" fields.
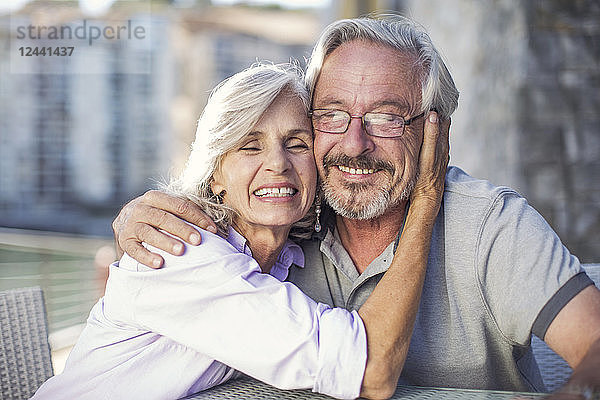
{"x": 355, "y": 171}
{"x": 275, "y": 192}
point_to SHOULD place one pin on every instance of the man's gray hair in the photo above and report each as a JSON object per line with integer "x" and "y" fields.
{"x": 437, "y": 87}
{"x": 234, "y": 107}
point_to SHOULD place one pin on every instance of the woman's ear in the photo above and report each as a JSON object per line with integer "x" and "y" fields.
{"x": 216, "y": 186}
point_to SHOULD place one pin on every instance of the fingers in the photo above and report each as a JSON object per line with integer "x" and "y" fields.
{"x": 182, "y": 208}
{"x": 433, "y": 160}
{"x": 143, "y": 219}
{"x": 142, "y": 255}
{"x": 142, "y": 231}
{"x": 434, "y": 155}
{"x": 136, "y": 227}
{"x": 435, "y": 148}
{"x": 430, "y": 143}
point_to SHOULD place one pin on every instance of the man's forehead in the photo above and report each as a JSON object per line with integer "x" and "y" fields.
{"x": 398, "y": 102}
{"x": 361, "y": 59}
{"x": 353, "y": 50}
{"x": 369, "y": 73}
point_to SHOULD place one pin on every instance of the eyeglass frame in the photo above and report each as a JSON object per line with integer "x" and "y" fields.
{"x": 406, "y": 122}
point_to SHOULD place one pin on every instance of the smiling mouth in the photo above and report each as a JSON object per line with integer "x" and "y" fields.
{"x": 275, "y": 192}
{"x": 356, "y": 171}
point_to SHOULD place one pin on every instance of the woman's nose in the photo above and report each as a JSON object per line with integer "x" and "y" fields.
{"x": 277, "y": 160}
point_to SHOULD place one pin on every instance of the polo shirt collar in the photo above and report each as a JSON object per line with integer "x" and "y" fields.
{"x": 331, "y": 246}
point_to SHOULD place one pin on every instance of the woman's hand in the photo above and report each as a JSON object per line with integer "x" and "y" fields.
{"x": 433, "y": 161}
{"x": 140, "y": 220}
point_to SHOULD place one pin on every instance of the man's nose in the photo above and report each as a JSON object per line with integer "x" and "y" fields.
{"x": 356, "y": 140}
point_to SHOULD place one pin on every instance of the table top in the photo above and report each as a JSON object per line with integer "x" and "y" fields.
{"x": 248, "y": 388}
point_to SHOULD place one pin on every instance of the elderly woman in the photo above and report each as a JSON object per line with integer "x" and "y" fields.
{"x": 222, "y": 307}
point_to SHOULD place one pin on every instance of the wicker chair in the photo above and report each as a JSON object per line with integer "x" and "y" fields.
{"x": 25, "y": 361}
{"x": 555, "y": 371}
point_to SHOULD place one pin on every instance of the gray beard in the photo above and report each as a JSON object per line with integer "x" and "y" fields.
{"x": 380, "y": 202}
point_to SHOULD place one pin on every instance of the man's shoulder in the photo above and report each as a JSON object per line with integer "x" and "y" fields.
{"x": 469, "y": 201}
{"x": 461, "y": 186}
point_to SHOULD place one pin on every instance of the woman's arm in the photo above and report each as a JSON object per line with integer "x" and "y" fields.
{"x": 390, "y": 311}
{"x": 217, "y": 302}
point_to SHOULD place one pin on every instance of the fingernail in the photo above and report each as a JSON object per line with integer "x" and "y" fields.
{"x": 195, "y": 239}
{"x": 156, "y": 262}
{"x": 433, "y": 118}
{"x": 177, "y": 248}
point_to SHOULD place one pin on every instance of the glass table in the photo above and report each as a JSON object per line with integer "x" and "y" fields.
{"x": 248, "y": 388}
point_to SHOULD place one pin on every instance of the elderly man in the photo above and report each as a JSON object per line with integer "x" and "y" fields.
{"x": 496, "y": 273}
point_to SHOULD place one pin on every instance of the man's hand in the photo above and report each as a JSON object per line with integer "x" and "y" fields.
{"x": 140, "y": 220}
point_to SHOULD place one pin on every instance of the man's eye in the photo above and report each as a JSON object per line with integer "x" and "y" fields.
{"x": 385, "y": 119}
{"x": 331, "y": 116}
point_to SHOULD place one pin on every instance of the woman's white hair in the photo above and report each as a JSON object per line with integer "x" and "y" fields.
{"x": 398, "y": 32}
{"x": 234, "y": 107}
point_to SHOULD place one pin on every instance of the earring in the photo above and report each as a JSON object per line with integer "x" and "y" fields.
{"x": 318, "y": 212}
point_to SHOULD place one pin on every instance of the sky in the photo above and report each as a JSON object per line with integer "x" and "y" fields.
{"x": 283, "y": 3}
{"x": 87, "y": 6}
{"x": 11, "y": 5}
{"x": 93, "y": 6}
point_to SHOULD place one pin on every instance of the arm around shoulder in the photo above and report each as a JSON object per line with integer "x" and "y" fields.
{"x": 141, "y": 219}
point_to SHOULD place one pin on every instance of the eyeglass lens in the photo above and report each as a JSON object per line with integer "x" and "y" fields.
{"x": 376, "y": 124}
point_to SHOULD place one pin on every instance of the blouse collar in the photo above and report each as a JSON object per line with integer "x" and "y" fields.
{"x": 290, "y": 254}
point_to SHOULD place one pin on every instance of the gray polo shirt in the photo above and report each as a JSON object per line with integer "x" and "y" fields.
{"x": 496, "y": 273}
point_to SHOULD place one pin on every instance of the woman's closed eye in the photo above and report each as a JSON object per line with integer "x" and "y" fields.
{"x": 251, "y": 146}
{"x": 296, "y": 144}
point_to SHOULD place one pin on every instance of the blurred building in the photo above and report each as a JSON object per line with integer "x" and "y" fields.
{"x": 76, "y": 146}
{"x": 80, "y": 136}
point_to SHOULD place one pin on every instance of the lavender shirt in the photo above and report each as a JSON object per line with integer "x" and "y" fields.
{"x": 167, "y": 333}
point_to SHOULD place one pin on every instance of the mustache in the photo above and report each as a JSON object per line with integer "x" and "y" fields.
{"x": 362, "y": 162}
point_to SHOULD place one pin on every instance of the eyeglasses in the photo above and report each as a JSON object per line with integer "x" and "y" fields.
{"x": 375, "y": 124}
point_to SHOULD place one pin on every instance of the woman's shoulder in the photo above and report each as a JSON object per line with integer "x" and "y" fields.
{"x": 212, "y": 248}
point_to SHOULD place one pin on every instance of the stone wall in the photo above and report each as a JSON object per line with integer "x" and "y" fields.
{"x": 560, "y": 147}
{"x": 529, "y": 113}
